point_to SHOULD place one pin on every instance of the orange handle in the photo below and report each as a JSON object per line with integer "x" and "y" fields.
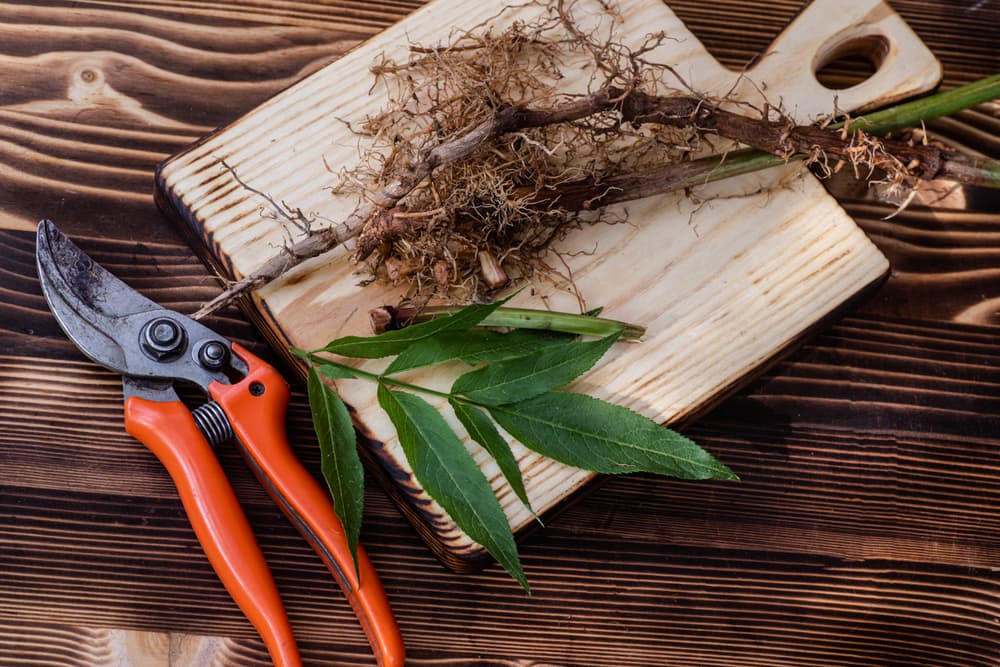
{"x": 256, "y": 407}
{"x": 222, "y": 528}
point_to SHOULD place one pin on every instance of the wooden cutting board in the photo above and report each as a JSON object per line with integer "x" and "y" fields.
{"x": 725, "y": 281}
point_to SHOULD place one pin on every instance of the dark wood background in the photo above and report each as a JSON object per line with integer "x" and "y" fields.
{"x": 865, "y": 532}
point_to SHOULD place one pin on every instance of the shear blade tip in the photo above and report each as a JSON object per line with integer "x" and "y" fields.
{"x": 47, "y": 239}
{"x": 47, "y": 229}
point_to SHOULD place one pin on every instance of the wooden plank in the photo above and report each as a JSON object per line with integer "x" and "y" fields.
{"x": 723, "y": 286}
{"x": 74, "y": 646}
{"x": 709, "y": 606}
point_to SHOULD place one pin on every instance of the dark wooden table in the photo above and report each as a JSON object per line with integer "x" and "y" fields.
{"x": 865, "y": 532}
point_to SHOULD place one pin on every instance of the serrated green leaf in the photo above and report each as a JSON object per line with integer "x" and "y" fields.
{"x": 479, "y": 427}
{"x": 340, "y": 463}
{"x": 473, "y": 346}
{"x": 394, "y": 342}
{"x": 523, "y": 377}
{"x": 448, "y": 473}
{"x": 588, "y": 433}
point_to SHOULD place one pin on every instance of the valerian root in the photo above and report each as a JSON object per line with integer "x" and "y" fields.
{"x": 479, "y": 162}
{"x": 316, "y": 243}
{"x": 380, "y": 220}
{"x": 381, "y": 226}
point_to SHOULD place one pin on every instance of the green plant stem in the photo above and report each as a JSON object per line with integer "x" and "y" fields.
{"x": 908, "y": 114}
{"x": 915, "y": 112}
{"x": 528, "y": 318}
{"x": 585, "y": 325}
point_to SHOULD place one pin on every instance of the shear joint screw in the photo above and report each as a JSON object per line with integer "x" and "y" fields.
{"x": 162, "y": 338}
{"x": 213, "y": 355}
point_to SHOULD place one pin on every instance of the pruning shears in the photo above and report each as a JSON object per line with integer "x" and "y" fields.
{"x": 153, "y": 348}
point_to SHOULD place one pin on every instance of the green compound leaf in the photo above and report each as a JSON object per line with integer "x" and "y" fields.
{"x": 513, "y": 384}
{"x": 395, "y": 342}
{"x": 474, "y": 346}
{"x": 481, "y": 429}
{"x": 521, "y": 378}
{"x": 334, "y": 371}
{"x": 340, "y": 462}
{"x": 448, "y": 473}
{"x": 589, "y": 433}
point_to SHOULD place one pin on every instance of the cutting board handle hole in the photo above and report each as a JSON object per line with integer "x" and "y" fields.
{"x": 844, "y": 63}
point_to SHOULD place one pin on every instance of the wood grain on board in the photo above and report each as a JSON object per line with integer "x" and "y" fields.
{"x": 864, "y": 532}
{"x": 723, "y": 284}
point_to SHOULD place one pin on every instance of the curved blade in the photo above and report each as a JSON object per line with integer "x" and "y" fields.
{"x": 105, "y": 318}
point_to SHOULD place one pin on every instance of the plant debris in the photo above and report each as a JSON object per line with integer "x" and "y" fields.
{"x": 479, "y": 134}
{"x": 482, "y": 157}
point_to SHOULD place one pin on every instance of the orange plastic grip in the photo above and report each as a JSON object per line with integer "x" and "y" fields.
{"x": 222, "y": 528}
{"x": 256, "y": 407}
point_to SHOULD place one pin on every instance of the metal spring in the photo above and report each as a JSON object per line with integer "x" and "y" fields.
{"x": 213, "y": 423}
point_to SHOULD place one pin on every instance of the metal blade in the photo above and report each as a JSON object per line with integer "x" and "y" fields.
{"x": 107, "y": 319}
{"x": 81, "y": 294}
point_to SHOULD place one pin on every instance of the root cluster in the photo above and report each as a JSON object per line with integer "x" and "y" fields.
{"x": 483, "y": 155}
{"x": 477, "y": 221}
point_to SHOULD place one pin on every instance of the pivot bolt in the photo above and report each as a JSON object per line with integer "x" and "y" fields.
{"x": 213, "y": 355}
{"x": 162, "y": 338}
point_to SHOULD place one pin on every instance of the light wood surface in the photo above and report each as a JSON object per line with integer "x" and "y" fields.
{"x": 864, "y": 533}
{"x": 104, "y": 647}
{"x": 724, "y": 281}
